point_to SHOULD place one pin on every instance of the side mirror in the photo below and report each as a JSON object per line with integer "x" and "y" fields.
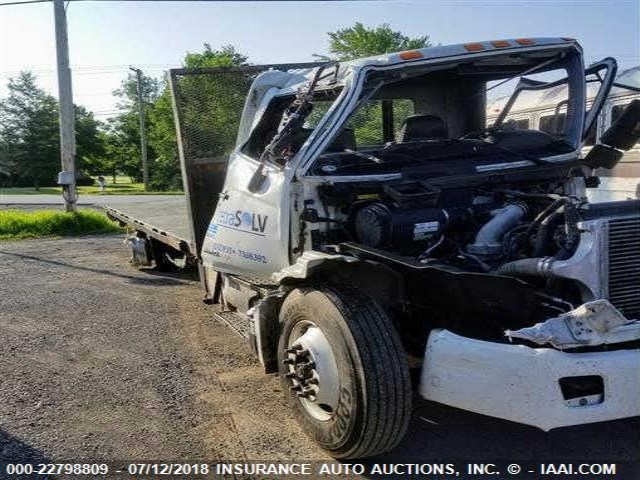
{"x": 625, "y": 131}
{"x": 602, "y": 156}
{"x": 622, "y": 135}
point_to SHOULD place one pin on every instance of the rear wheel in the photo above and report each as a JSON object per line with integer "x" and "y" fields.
{"x": 161, "y": 257}
{"x": 344, "y": 369}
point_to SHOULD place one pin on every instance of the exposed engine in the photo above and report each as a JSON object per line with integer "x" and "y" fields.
{"x": 506, "y": 255}
{"x": 487, "y": 232}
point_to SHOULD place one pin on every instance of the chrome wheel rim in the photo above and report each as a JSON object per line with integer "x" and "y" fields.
{"x": 311, "y": 369}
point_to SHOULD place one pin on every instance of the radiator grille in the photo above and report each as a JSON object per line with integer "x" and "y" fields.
{"x": 624, "y": 265}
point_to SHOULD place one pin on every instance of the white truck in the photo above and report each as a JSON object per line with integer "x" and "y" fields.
{"x": 372, "y": 236}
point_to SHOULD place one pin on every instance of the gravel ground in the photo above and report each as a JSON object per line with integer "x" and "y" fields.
{"x": 100, "y": 361}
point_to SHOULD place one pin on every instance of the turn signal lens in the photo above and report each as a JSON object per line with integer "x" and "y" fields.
{"x": 474, "y": 47}
{"x": 525, "y": 41}
{"x": 500, "y": 43}
{"x": 410, "y": 55}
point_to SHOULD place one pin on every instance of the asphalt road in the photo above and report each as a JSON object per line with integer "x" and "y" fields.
{"x": 100, "y": 361}
{"x": 89, "y": 200}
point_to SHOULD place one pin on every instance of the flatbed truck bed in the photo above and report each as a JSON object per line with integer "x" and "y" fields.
{"x": 165, "y": 221}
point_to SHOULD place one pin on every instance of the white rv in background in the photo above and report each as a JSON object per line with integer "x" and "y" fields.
{"x": 546, "y": 111}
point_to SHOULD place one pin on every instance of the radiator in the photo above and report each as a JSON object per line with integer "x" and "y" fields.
{"x": 624, "y": 265}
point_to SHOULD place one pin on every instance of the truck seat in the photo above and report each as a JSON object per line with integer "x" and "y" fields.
{"x": 422, "y": 127}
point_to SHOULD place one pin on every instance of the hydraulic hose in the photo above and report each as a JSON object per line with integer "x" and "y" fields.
{"x": 573, "y": 232}
{"x": 545, "y": 232}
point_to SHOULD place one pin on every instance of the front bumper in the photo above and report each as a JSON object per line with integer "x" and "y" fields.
{"x": 522, "y": 384}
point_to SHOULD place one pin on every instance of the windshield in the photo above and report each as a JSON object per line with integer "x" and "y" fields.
{"x": 527, "y": 106}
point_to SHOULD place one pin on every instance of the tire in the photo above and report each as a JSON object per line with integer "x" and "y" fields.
{"x": 160, "y": 258}
{"x": 366, "y": 411}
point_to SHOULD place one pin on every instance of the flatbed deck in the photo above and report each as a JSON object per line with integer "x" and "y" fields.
{"x": 165, "y": 220}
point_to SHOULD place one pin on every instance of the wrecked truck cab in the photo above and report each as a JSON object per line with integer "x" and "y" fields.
{"x": 372, "y": 218}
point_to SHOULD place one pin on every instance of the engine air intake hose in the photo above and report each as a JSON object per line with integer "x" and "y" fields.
{"x": 488, "y": 241}
{"x": 535, "y": 267}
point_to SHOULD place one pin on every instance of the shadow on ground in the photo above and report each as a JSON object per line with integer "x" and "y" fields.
{"x": 155, "y": 277}
{"x": 441, "y": 434}
{"x": 14, "y": 450}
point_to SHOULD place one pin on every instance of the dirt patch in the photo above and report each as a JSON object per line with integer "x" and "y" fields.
{"x": 241, "y": 411}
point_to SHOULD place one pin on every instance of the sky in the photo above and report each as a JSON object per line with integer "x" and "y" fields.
{"x": 107, "y": 37}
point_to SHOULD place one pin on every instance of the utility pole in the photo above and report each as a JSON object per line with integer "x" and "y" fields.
{"x": 143, "y": 130}
{"x": 67, "y": 177}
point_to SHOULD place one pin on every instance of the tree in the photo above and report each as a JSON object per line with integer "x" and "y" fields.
{"x": 128, "y": 91}
{"x": 165, "y": 166}
{"x": 121, "y": 154}
{"x": 210, "y": 115}
{"x": 29, "y": 133}
{"x": 90, "y": 142}
{"x": 360, "y": 41}
{"x": 227, "y": 56}
{"x": 123, "y": 131}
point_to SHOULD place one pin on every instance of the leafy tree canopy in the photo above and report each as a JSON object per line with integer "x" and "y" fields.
{"x": 360, "y": 41}
{"x": 227, "y": 56}
{"x": 29, "y": 133}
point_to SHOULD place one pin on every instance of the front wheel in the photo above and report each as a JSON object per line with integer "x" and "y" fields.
{"x": 344, "y": 369}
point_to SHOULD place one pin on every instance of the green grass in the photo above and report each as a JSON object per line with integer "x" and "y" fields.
{"x": 19, "y": 224}
{"x": 110, "y": 189}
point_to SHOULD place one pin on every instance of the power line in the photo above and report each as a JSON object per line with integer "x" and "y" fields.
{"x": 24, "y": 2}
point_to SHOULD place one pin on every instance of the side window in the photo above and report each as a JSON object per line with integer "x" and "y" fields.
{"x": 266, "y": 128}
{"x": 402, "y": 108}
{"x": 320, "y": 108}
{"x": 519, "y": 124}
{"x": 368, "y": 126}
{"x": 270, "y": 122}
{"x": 553, "y": 124}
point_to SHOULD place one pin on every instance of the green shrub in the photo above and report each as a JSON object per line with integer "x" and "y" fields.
{"x": 16, "y": 224}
